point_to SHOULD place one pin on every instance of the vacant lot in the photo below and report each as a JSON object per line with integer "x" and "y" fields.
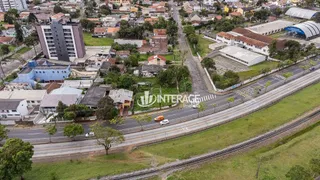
{"x": 256, "y": 69}
{"x": 90, "y": 41}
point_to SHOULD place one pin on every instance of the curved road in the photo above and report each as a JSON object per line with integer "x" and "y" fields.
{"x": 61, "y": 149}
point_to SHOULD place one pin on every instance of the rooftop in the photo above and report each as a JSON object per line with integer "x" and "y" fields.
{"x": 23, "y": 94}
{"x": 93, "y": 96}
{"x": 121, "y": 95}
{"x": 240, "y": 53}
{"x": 52, "y": 100}
{"x": 9, "y": 104}
{"x": 268, "y": 27}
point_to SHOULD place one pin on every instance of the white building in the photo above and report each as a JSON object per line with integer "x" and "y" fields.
{"x": 242, "y": 56}
{"x": 208, "y": 2}
{"x": 20, "y": 5}
{"x": 271, "y": 27}
{"x": 51, "y": 101}
{"x": 32, "y": 97}
{"x": 12, "y": 110}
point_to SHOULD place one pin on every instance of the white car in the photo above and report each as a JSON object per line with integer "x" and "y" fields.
{"x": 165, "y": 121}
{"x": 90, "y": 134}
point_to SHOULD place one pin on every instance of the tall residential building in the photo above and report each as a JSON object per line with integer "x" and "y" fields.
{"x": 20, "y": 5}
{"x": 61, "y": 39}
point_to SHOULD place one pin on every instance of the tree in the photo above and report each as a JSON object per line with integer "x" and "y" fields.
{"x": 287, "y": 75}
{"x": 106, "y": 109}
{"x": 36, "y": 2}
{"x": 19, "y": 33}
{"x": 57, "y": 9}
{"x": 69, "y": 115}
{"x": 189, "y": 30}
{"x": 208, "y": 63}
{"x": 107, "y": 136}
{"x": 72, "y": 130}
{"x": 230, "y": 100}
{"x": 15, "y": 158}
{"x": 298, "y": 172}
{"x": 201, "y": 107}
{"x": 3, "y": 132}
{"x": 5, "y": 49}
{"x": 105, "y": 10}
{"x": 126, "y": 81}
{"x": 262, "y": 15}
{"x": 141, "y": 119}
{"x": 31, "y": 41}
{"x": 51, "y": 130}
{"x": 60, "y": 108}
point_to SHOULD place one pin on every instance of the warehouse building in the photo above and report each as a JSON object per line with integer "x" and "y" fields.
{"x": 242, "y": 56}
{"x": 301, "y": 13}
{"x": 271, "y": 27}
{"x": 307, "y": 30}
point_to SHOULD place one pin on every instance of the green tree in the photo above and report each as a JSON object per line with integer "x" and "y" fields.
{"x": 15, "y": 158}
{"x": 201, "y": 107}
{"x": 106, "y": 109}
{"x": 287, "y": 75}
{"x": 298, "y": 172}
{"x": 105, "y": 10}
{"x": 107, "y": 136}
{"x": 315, "y": 167}
{"x": 19, "y": 33}
{"x": 141, "y": 119}
{"x": 51, "y": 130}
{"x": 5, "y": 49}
{"x": 72, "y": 130}
{"x": 60, "y": 108}
{"x": 69, "y": 115}
{"x": 189, "y": 30}
{"x": 126, "y": 81}
{"x": 31, "y": 41}
{"x": 57, "y": 9}
{"x": 208, "y": 63}
{"x": 3, "y": 133}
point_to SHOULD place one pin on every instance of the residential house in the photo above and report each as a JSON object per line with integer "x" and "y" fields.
{"x": 51, "y": 86}
{"x": 150, "y": 70}
{"x": 2, "y": 16}
{"x": 112, "y": 30}
{"x": 157, "y": 60}
{"x": 123, "y": 54}
{"x": 19, "y": 86}
{"x": 63, "y": 90}
{"x": 33, "y": 97}
{"x": 12, "y": 109}
{"x": 159, "y": 32}
{"x": 50, "y": 102}
{"x": 159, "y": 44}
{"x": 122, "y": 99}
{"x": 7, "y": 40}
{"x": 99, "y": 32}
{"x": 93, "y": 96}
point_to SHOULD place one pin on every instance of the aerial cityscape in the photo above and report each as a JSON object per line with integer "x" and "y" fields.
{"x": 160, "y": 90}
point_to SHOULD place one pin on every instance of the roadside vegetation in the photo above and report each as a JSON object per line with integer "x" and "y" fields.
{"x": 260, "y": 68}
{"x": 212, "y": 139}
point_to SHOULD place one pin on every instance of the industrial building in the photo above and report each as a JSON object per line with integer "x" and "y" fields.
{"x": 301, "y": 13}
{"x": 307, "y": 30}
{"x": 242, "y": 56}
{"x": 270, "y": 27}
{"x": 61, "y": 39}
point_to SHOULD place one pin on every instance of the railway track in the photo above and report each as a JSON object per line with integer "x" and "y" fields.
{"x": 176, "y": 166}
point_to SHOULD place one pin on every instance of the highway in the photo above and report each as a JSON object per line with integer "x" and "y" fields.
{"x": 44, "y": 151}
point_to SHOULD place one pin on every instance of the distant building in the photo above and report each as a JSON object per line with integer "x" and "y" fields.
{"x": 20, "y": 5}
{"x": 137, "y": 42}
{"x": 242, "y": 56}
{"x": 122, "y": 98}
{"x": 62, "y": 39}
{"x": 33, "y": 73}
{"x": 13, "y": 109}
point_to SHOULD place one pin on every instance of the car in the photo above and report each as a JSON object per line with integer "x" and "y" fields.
{"x": 89, "y": 134}
{"x": 159, "y": 118}
{"x": 164, "y": 122}
{"x": 195, "y": 106}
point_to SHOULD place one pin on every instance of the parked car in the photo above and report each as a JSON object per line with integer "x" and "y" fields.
{"x": 89, "y": 134}
{"x": 164, "y": 122}
{"x": 159, "y": 118}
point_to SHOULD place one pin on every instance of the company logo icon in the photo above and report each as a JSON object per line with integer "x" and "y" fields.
{"x": 147, "y": 100}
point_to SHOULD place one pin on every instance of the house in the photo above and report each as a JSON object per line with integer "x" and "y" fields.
{"x": 51, "y": 86}
{"x": 78, "y": 84}
{"x": 46, "y": 72}
{"x": 68, "y": 90}
{"x": 93, "y": 96}
{"x": 7, "y": 40}
{"x": 99, "y": 32}
{"x": 151, "y": 20}
{"x": 159, "y": 32}
{"x": 33, "y": 97}
{"x": 19, "y": 86}
{"x": 112, "y": 30}
{"x": 24, "y": 15}
{"x": 12, "y": 109}
{"x": 122, "y": 98}
{"x": 235, "y": 14}
{"x": 50, "y": 102}
{"x": 150, "y": 70}
{"x": 159, "y": 44}
{"x": 157, "y": 60}
{"x": 8, "y": 26}
{"x": 123, "y": 54}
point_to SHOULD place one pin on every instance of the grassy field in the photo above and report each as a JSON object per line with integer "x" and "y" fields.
{"x": 24, "y": 50}
{"x": 255, "y": 70}
{"x": 277, "y": 35}
{"x": 204, "y": 46}
{"x": 275, "y": 160}
{"x": 191, "y": 145}
{"x": 90, "y": 41}
{"x": 86, "y": 168}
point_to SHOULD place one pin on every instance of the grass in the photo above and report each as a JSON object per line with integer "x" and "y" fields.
{"x": 242, "y": 129}
{"x": 24, "y": 50}
{"x": 204, "y": 45}
{"x": 256, "y": 69}
{"x": 90, "y": 41}
{"x": 88, "y": 167}
{"x": 275, "y": 160}
{"x": 277, "y": 35}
